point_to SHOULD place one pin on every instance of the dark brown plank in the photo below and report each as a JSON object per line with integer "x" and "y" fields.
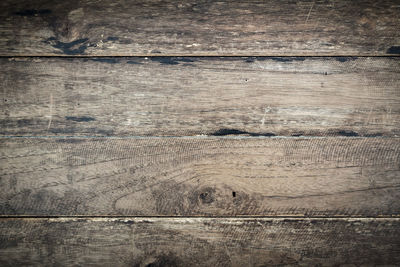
{"x": 200, "y": 176}
{"x": 199, "y": 242}
{"x": 192, "y": 96}
{"x": 132, "y": 28}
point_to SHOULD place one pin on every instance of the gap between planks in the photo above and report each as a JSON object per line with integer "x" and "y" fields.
{"x": 206, "y": 56}
{"x": 233, "y": 136}
{"x": 241, "y": 217}
{"x": 178, "y": 218}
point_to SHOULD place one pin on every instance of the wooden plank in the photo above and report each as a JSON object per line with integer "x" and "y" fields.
{"x": 132, "y": 28}
{"x": 200, "y": 242}
{"x": 192, "y": 96}
{"x": 200, "y": 176}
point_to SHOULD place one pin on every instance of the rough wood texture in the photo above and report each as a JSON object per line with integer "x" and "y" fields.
{"x": 275, "y": 27}
{"x": 189, "y": 96}
{"x": 200, "y": 176}
{"x": 199, "y": 242}
{"x": 88, "y": 134}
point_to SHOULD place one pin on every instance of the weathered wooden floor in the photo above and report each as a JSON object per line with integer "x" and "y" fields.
{"x": 200, "y": 133}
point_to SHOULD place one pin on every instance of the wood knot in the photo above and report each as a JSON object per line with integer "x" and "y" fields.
{"x": 207, "y": 196}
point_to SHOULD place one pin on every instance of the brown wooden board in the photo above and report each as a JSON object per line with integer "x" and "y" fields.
{"x": 228, "y": 133}
{"x": 336, "y": 176}
{"x": 199, "y": 242}
{"x": 155, "y": 27}
{"x": 164, "y": 96}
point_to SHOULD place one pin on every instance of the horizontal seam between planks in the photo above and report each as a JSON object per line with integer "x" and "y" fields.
{"x": 199, "y": 55}
{"x": 397, "y": 216}
{"x": 196, "y": 137}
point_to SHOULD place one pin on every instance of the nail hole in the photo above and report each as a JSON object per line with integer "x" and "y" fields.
{"x": 326, "y": 73}
{"x": 203, "y": 195}
{"x": 234, "y": 194}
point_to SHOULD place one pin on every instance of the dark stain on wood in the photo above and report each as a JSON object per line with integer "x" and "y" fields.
{"x": 80, "y": 119}
{"x": 112, "y": 38}
{"x": 347, "y": 133}
{"x": 72, "y": 48}
{"x": 224, "y": 132}
{"x": 171, "y": 60}
{"x": 277, "y": 59}
{"x": 345, "y": 59}
{"x": 394, "y": 50}
{"x": 206, "y": 28}
{"x": 33, "y": 12}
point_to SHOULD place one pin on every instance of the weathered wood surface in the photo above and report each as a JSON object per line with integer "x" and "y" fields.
{"x": 199, "y": 242}
{"x": 189, "y": 96}
{"x": 89, "y": 134}
{"x": 131, "y": 28}
{"x": 200, "y": 176}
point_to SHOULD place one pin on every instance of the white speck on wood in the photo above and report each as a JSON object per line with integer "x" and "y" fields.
{"x": 50, "y": 116}
{"x": 309, "y": 12}
{"x": 266, "y": 110}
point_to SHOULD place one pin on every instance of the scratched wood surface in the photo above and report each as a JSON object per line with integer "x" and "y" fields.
{"x": 132, "y": 28}
{"x": 200, "y": 242}
{"x": 167, "y": 96}
{"x": 200, "y": 176}
{"x": 284, "y": 153}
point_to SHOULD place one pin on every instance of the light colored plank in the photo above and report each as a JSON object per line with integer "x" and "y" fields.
{"x": 192, "y": 96}
{"x": 200, "y": 176}
{"x": 199, "y": 242}
{"x": 132, "y": 28}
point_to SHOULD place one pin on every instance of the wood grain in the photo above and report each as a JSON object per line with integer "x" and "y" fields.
{"x": 200, "y": 242}
{"x": 200, "y": 176}
{"x": 275, "y": 156}
{"x": 159, "y": 27}
{"x": 166, "y": 96}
